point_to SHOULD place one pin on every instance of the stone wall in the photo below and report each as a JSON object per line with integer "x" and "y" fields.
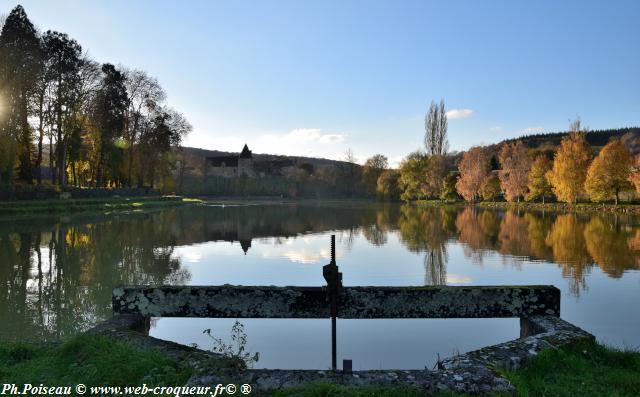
{"x": 229, "y": 301}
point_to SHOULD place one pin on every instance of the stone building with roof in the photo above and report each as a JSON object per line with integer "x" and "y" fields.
{"x": 233, "y": 166}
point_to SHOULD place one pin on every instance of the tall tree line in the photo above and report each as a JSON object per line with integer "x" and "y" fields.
{"x": 88, "y": 124}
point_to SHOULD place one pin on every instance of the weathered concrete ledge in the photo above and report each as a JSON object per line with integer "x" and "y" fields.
{"x": 472, "y": 373}
{"x": 229, "y": 301}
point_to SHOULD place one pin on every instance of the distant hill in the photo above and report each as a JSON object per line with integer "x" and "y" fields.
{"x": 597, "y": 138}
{"x": 195, "y": 158}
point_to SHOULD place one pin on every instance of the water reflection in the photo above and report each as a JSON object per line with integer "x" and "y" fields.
{"x": 56, "y": 275}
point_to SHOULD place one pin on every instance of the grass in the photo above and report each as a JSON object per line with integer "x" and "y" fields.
{"x": 91, "y": 359}
{"x": 584, "y": 369}
{"x": 62, "y": 206}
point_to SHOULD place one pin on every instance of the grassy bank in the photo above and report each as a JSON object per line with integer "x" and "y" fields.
{"x": 62, "y": 206}
{"x": 585, "y": 369}
{"x": 88, "y": 359}
{"x": 625, "y": 208}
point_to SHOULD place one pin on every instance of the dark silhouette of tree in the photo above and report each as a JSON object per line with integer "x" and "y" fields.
{"x": 64, "y": 61}
{"x": 20, "y": 68}
{"x": 109, "y": 109}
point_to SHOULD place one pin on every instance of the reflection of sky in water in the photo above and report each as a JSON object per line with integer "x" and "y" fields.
{"x": 614, "y": 318}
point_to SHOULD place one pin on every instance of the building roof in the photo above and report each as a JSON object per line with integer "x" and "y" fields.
{"x": 223, "y": 161}
{"x": 246, "y": 153}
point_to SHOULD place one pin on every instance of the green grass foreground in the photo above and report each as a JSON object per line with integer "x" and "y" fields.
{"x": 89, "y": 359}
{"x": 584, "y": 369}
{"x": 62, "y": 206}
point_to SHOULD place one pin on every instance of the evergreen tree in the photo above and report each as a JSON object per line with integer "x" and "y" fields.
{"x": 20, "y": 68}
{"x": 109, "y": 109}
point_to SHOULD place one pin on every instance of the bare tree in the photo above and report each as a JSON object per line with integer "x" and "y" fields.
{"x": 435, "y": 126}
{"x": 146, "y": 96}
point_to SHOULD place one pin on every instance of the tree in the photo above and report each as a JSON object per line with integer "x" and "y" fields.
{"x": 145, "y": 97}
{"x": 64, "y": 60}
{"x": 436, "y": 169}
{"x": 515, "y": 163}
{"x": 634, "y": 177}
{"x": 373, "y": 168}
{"x": 609, "y": 172}
{"x": 109, "y": 110}
{"x": 474, "y": 168}
{"x": 435, "y": 125}
{"x": 20, "y": 68}
{"x": 413, "y": 170}
{"x": 570, "y": 165}
{"x": 387, "y": 186}
{"x": 539, "y": 185}
{"x": 166, "y": 130}
{"x": 449, "y": 192}
{"x": 490, "y": 188}
{"x": 350, "y": 159}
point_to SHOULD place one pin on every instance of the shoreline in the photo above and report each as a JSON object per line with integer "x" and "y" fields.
{"x": 632, "y": 209}
{"x": 73, "y": 206}
{"x": 101, "y": 360}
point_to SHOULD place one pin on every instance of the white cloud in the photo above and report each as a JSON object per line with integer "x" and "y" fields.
{"x": 459, "y": 113}
{"x": 533, "y": 130}
{"x": 311, "y": 135}
{"x": 307, "y": 135}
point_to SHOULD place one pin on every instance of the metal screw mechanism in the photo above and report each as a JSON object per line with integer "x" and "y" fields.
{"x": 334, "y": 284}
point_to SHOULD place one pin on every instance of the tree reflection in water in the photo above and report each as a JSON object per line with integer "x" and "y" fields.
{"x": 57, "y": 275}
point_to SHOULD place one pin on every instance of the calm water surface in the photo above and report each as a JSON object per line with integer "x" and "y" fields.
{"x": 57, "y": 274}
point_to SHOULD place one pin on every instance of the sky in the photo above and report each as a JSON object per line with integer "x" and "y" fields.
{"x": 316, "y": 78}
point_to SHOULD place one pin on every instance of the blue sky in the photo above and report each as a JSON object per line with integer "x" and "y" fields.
{"x": 318, "y": 77}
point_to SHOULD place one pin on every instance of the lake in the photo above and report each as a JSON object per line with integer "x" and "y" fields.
{"x": 57, "y": 273}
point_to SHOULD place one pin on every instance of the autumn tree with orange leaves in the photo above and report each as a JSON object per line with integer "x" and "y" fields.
{"x": 570, "y": 165}
{"x": 514, "y": 176}
{"x": 609, "y": 172}
{"x": 634, "y": 177}
{"x": 474, "y": 169}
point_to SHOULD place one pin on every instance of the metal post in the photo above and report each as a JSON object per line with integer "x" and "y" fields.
{"x": 334, "y": 283}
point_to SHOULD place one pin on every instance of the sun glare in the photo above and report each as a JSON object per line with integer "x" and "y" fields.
{"x": 2, "y": 112}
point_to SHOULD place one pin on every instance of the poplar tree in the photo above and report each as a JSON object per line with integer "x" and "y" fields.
{"x": 435, "y": 125}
